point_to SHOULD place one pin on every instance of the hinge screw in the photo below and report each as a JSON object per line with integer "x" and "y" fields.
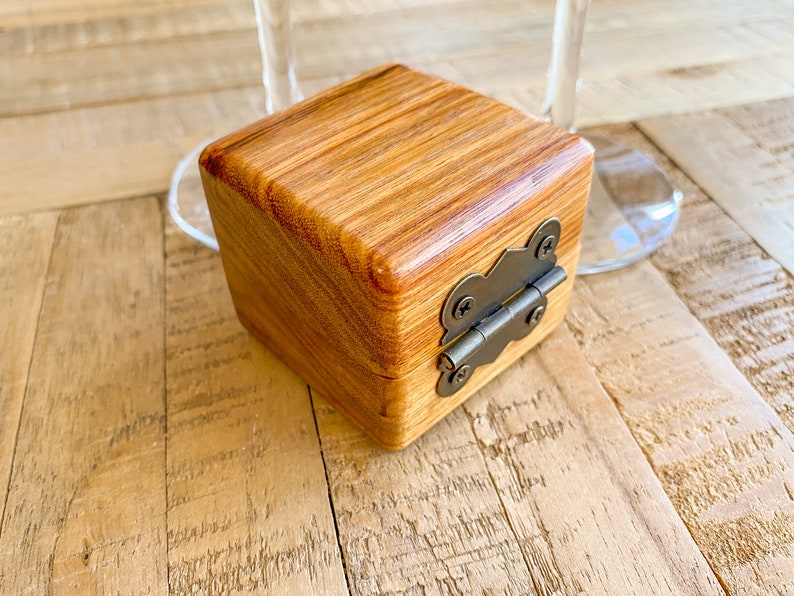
{"x": 535, "y": 316}
{"x": 546, "y": 247}
{"x": 460, "y": 376}
{"x": 463, "y": 307}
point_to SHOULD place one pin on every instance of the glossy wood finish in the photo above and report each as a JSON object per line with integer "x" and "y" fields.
{"x": 345, "y": 220}
{"x": 148, "y": 444}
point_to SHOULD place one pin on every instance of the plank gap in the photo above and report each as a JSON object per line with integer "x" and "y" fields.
{"x": 161, "y": 201}
{"x": 21, "y": 410}
{"x": 330, "y": 495}
{"x": 687, "y": 383}
{"x": 502, "y": 504}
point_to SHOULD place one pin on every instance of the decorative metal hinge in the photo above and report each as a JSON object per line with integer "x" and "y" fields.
{"x": 484, "y": 313}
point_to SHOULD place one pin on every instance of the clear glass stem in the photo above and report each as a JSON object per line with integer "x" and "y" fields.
{"x": 632, "y": 207}
{"x": 566, "y": 49}
{"x": 274, "y": 26}
{"x": 186, "y": 201}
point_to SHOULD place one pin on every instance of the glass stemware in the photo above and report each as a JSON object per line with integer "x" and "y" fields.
{"x": 632, "y": 206}
{"x": 186, "y": 202}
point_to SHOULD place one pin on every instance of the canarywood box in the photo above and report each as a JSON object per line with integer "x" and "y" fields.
{"x": 398, "y": 241}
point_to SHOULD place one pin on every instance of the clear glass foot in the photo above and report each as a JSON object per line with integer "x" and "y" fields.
{"x": 186, "y": 201}
{"x": 632, "y": 208}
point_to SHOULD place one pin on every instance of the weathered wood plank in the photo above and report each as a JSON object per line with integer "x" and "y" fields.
{"x": 87, "y": 499}
{"x": 695, "y": 87}
{"x": 44, "y": 33}
{"x": 64, "y": 79}
{"x": 638, "y": 58}
{"x": 745, "y": 299}
{"x": 248, "y": 506}
{"x": 742, "y": 295}
{"x": 722, "y": 455}
{"x": 632, "y": 53}
{"x": 25, "y": 247}
{"x": 538, "y": 466}
{"x": 194, "y": 53}
{"x": 30, "y": 13}
{"x": 110, "y": 152}
{"x": 424, "y": 519}
{"x": 573, "y": 481}
{"x": 742, "y": 158}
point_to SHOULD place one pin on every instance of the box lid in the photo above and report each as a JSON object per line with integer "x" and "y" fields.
{"x": 403, "y": 183}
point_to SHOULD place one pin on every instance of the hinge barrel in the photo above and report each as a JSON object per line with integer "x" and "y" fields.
{"x": 512, "y": 314}
{"x": 546, "y": 283}
{"x": 484, "y": 313}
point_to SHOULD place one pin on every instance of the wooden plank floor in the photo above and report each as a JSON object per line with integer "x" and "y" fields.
{"x": 745, "y": 299}
{"x": 149, "y": 445}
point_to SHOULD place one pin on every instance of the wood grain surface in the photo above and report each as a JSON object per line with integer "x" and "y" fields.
{"x": 86, "y": 499}
{"x": 25, "y": 248}
{"x": 88, "y": 155}
{"x": 491, "y": 476}
{"x": 715, "y": 460}
{"x": 345, "y": 221}
{"x": 741, "y": 294}
{"x": 148, "y": 445}
{"x": 241, "y": 445}
{"x": 688, "y": 407}
{"x": 757, "y": 196}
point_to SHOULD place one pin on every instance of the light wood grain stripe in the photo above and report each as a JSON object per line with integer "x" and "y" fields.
{"x": 716, "y": 446}
{"x": 742, "y": 157}
{"x": 248, "y": 505}
{"x": 25, "y": 246}
{"x": 86, "y": 501}
{"x": 109, "y": 152}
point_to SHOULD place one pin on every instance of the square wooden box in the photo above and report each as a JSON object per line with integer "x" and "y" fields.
{"x": 345, "y": 222}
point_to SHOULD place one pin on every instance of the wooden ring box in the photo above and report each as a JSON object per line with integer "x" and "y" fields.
{"x": 347, "y": 222}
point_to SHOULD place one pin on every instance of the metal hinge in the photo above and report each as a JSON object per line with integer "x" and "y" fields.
{"x": 484, "y": 313}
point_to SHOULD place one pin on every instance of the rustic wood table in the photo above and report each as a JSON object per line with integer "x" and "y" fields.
{"x": 149, "y": 445}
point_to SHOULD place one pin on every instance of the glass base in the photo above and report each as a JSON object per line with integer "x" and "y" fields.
{"x": 186, "y": 201}
{"x": 632, "y": 208}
